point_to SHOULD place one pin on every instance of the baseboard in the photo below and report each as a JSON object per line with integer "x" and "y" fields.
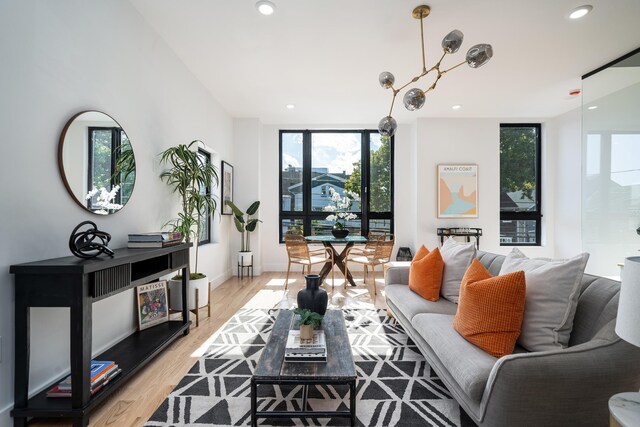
{"x": 5, "y": 416}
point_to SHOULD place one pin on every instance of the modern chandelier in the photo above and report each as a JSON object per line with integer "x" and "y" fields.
{"x": 477, "y": 56}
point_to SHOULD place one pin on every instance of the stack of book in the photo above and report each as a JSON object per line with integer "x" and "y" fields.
{"x": 156, "y": 239}
{"x": 101, "y": 373}
{"x": 312, "y": 350}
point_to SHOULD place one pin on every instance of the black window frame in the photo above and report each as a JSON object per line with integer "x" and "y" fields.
{"x": 306, "y": 214}
{"x": 115, "y": 148}
{"x": 530, "y": 215}
{"x": 207, "y": 156}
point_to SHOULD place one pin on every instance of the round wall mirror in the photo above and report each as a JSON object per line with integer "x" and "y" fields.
{"x": 96, "y": 162}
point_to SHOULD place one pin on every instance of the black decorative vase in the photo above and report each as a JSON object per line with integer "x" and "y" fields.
{"x": 313, "y": 297}
{"x": 339, "y": 233}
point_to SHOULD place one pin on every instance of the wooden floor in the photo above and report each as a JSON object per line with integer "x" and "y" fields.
{"x": 135, "y": 402}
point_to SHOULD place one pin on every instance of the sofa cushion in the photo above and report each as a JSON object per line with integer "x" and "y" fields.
{"x": 490, "y": 309}
{"x": 457, "y": 258}
{"x": 425, "y": 273}
{"x": 410, "y": 303}
{"x": 553, "y": 289}
{"x": 467, "y": 364}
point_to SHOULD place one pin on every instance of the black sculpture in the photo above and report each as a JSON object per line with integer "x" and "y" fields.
{"x": 89, "y": 243}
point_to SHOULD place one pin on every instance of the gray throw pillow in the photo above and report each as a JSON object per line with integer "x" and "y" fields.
{"x": 553, "y": 288}
{"x": 457, "y": 258}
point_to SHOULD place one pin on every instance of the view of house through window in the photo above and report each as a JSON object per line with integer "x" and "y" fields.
{"x": 520, "y": 189}
{"x": 317, "y": 164}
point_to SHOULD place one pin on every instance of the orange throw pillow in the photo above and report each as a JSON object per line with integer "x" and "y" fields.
{"x": 490, "y": 309}
{"x": 425, "y": 273}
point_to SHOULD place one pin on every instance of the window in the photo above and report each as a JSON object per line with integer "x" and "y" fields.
{"x": 110, "y": 156}
{"x": 520, "y": 189}
{"x": 314, "y": 162}
{"x": 205, "y": 220}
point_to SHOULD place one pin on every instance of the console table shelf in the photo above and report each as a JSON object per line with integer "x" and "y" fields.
{"x": 75, "y": 283}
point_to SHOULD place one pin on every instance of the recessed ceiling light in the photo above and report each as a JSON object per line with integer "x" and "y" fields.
{"x": 290, "y": 106}
{"x": 593, "y": 107}
{"x": 580, "y": 11}
{"x": 265, "y": 7}
{"x": 456, "y": 107}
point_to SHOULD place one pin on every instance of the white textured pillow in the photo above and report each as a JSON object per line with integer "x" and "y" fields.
{"x": 553, "y": 288}
{"x": 457, "y": 258}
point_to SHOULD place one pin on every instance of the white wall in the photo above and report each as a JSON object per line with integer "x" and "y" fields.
{"x": 58, "y": 59}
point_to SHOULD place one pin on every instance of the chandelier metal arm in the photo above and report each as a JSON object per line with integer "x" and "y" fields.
{"x": 414, "y": 99}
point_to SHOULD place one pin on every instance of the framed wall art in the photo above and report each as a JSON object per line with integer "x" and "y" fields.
{"x": 457, "y": 191}
{"x": 227, "y": 187}
{"x": 151, "y": 300}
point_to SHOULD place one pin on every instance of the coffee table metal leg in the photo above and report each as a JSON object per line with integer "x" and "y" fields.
{"x": 254, "y": 397}
{"x": 352, "y": 407}
{"x": 305, "y": 395}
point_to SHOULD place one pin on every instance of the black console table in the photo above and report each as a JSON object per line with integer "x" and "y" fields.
{"x": 77, "y": 284}
{"x": 460, "y": 232}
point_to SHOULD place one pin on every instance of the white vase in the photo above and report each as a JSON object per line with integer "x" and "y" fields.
{"x": 175, "y": 301}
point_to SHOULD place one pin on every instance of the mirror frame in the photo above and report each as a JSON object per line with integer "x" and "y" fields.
{"x": 63, "y": 175}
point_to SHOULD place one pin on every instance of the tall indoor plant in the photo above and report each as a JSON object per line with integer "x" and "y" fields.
{"x": 188, "y": 174}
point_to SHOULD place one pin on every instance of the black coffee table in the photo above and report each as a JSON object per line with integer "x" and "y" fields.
{"x": 339, "y": 368}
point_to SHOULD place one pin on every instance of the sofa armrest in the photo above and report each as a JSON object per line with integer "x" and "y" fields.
{"x": 397, "y": 273}
{"x": 564, "y": 387}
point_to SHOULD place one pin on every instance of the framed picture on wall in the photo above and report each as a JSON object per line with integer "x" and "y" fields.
{"x": 457, "y": 191}
{"x": 151, "y": 300}
{"x": 227, "y": 187}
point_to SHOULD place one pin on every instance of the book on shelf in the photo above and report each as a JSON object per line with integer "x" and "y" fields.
{"x": 99, "y": 376}
{"x": 155, "y": 236}
{"x": 163, "y": 244}
{"x": 60, "y": 391}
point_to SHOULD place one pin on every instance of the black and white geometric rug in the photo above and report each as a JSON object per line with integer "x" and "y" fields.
{"x": 395, "y": 385}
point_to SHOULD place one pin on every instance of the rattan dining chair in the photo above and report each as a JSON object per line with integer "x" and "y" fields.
{"x": 381, "y": 254}
{"x": 369, "y": 248}
{"x": 299, "y": 253}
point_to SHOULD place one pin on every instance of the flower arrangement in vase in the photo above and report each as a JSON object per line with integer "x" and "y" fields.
{"x": 340, "y": 207}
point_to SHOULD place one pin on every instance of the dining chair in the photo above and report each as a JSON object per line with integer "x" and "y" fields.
{"x": 381, "y": 254}
{"x": 296, "y": 235}
{"x": 299, "y": 253}
{"x": 369, "y": 248}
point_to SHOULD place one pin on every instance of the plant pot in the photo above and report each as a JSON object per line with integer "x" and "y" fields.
{"x": 175, "y": 300}
{"x": 306, "y": 332}
{"x": 245, "y": 259}
{"x": 313, "y": 297}
{"x": 340, "y": 233}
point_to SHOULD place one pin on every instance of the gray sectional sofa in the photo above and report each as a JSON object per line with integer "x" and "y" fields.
{"x": 568, "y": 387}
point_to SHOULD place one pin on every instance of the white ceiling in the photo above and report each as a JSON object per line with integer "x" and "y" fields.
{"x": 324, "y": 56}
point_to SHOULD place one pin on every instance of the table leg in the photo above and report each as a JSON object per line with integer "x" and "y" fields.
{"x": 338, "y": 260}
{"x": 254, "y": 397}
{"x": 305, "y": 396}
{"x": 352, "y": 406}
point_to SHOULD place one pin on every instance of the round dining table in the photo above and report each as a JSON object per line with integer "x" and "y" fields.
{"x": 338, "y": 257}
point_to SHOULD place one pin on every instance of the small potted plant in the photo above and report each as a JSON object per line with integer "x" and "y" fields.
{"x": 309, "y": 320}
{"x": 340, "y": 208}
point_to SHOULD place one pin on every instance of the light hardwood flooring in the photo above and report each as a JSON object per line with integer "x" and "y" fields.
{"x": 132, "y": 404}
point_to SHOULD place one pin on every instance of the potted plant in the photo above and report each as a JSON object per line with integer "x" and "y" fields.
{"x": 309, "y": 320}
{"x": 245, "y": 226}
{"x": 188, "y": 175}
